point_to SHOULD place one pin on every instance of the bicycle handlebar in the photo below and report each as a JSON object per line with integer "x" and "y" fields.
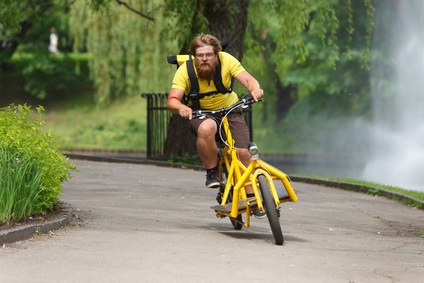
{"x": 201, "y": 114}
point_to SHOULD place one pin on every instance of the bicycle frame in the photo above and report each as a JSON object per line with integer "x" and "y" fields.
{"x": 239, "y": 177}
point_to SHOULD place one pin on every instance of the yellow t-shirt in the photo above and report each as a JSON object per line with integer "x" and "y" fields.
{"x": 230, "y": 68}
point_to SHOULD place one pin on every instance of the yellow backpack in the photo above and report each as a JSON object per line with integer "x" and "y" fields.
{"x": 194, "y": 94}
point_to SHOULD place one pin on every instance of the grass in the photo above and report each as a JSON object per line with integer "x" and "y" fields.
{"x": 81, "y": 125}
{"x": 375, "y": 189}
{"x": 414, "y": 194}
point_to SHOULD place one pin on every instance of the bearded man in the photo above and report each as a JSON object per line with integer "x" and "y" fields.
{"x": 208, "y": 53}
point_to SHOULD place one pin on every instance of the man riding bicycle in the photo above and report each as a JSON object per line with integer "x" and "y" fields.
{"x": 209, "y": 56}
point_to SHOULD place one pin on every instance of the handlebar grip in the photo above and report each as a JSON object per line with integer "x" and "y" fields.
{"x": 248, "y": 99}
{"x": 201, "y": 114}
{"x": 198, "y": 115}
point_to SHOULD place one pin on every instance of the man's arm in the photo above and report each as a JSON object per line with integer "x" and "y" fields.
{"x": 250, "y": 84}
{"x": 174, "y": 104}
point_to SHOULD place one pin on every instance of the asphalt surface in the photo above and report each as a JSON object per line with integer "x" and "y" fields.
{"x": 146, "y": 223}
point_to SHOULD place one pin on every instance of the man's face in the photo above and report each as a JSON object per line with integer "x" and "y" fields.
{"x": 205, "y": 62}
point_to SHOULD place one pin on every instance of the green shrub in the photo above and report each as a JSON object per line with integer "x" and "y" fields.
{"x": 52, "y": 75}
{"x": 46, "y": 76}
{"x": 19, "y": 183}
{"x": 32, "y": 168}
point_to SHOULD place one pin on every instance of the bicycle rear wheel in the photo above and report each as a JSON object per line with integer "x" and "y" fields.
{"x": 271, "y": 210}
{"x": 236, "y": 222}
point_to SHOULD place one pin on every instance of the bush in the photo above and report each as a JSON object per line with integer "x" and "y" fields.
{"x": 19, "y": 183}
{"x": 32, "y": 168}
{"x": 47, "y": 76}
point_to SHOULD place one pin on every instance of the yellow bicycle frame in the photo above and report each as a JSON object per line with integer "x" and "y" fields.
{"x": 239, "y": 177}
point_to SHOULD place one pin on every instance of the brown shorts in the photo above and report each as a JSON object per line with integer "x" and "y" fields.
{"x": 238, "y": 127}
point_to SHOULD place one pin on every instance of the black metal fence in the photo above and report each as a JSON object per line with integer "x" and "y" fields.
{"x": 158, "y": 118}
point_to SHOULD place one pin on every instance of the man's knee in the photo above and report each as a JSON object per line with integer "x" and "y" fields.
{"x": 244, "y": 156}
{"x": 207, "y": 128}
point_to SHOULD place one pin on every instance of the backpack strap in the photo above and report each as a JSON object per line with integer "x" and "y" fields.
{"x": 194, "y": 85}
{"x": 194, "y": 94}
{"x": 217, "y": 79}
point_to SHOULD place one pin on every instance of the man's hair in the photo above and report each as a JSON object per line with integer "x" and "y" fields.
{"x": 205, "y": 39}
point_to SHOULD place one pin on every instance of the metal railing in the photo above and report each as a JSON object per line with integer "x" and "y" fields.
{"x": 158, "y": 118}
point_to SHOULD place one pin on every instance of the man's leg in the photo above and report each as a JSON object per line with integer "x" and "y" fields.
{"x": 208, "y": 151}
{"x": 206, "y": 144}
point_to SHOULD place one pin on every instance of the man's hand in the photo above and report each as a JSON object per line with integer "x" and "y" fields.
{"x": 257, "y": 94}
{"x": 185, "y": 112}
{"x": 251, "y": 85}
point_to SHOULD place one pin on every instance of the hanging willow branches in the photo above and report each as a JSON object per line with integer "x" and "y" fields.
{"x": 127, "y": 39}
{"x": 126, "y": 50}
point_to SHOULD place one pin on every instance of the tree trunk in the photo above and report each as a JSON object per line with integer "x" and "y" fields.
{"x": 227, "y": 21}
{"x": 9, "y": 46}
{"x": 179, "y": 141}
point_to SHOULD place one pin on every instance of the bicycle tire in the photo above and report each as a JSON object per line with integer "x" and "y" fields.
{"x": 235, "y": 222}
{"x": 271, "y": 210}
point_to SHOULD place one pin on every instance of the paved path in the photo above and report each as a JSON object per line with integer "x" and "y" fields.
{"x": 143, "y": 223}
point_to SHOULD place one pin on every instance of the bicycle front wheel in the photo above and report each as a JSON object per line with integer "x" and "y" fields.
{"x": 271, "y": 210}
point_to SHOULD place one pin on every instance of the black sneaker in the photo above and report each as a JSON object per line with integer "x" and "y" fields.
{"x": 212, "y": 180}
{"x": 257, "y": 213}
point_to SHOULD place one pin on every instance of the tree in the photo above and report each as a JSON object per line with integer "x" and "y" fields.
{"x": 126, "y": 49}
{"x": 16, "y": 19}
{"x": 306, "y": 39}
{"x": 293, "y": 26}
{"x": 225, "y": 19}
{"x": 278, "y": 31}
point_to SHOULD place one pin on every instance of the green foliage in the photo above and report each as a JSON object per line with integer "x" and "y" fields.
{"x": 17, "y": 21}
{"x": 98, "y": 5}
{"x": 81, "y": 124}
{"x": 13, "y": 13}
{"x": 184, "y": 14}
{"x": 128, "y": 54}
{"x": 328, "y": 83}
{"x": 305, "y": 40}
{"x": 20, "y": 181}
{"x": 47, "y": 74}
{"x": 29, "y": 154}
{"x": 293, "y": 24}
{"x": 127, "y": 49}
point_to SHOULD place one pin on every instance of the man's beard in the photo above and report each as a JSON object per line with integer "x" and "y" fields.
{"x": 205, "y": 70}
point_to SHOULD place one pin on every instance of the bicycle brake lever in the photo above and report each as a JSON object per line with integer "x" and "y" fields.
{"x": 199, "y": 115}
{"x": 248, "y": 101}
